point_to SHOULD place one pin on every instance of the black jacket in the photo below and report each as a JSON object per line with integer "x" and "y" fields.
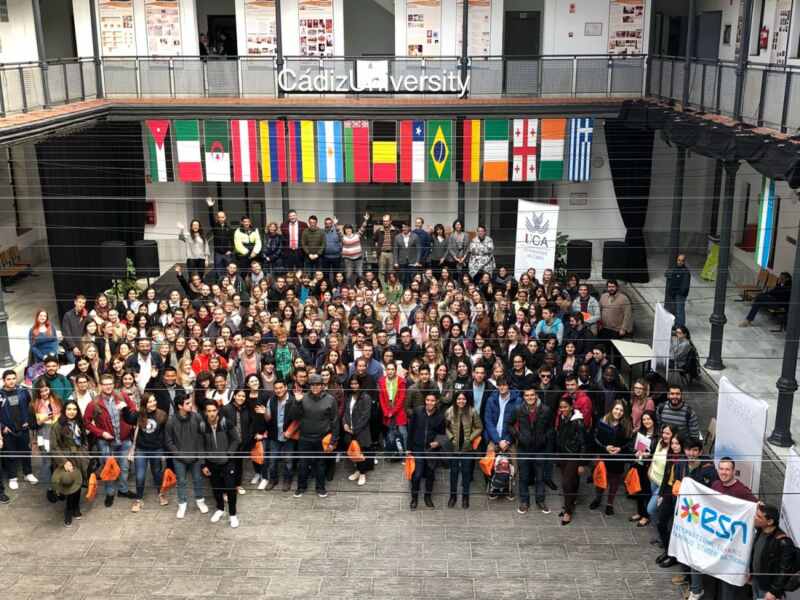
{"x": 223, "y": 238}
{"x": 220, "y": 444}
{"x": 359, "y": 419}
{"x": 678, "y": 281}
{"x": 704, "y": 473}
{"x": 72, "y": 328}
{"x": 183, "y": 438}
{"x": 571, "y": 435}
{"x": 163, "y": 398}
{"x": 271, "y": 248}
{"x": 776, "y": 561}
{"x": 250, "y": 422}
{"x": 318, "y": 416}
{"x": 424, "y": 429}
{"x": 535, "y": 435}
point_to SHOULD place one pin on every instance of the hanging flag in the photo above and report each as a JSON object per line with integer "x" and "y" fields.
{"x": 245, "y": 151}
{"x": 273, "y": 151}
{"x": 329, "y": 151}
{"x": 218, "y": 152}
{"x": 412, "y": 151}
{"x": 157, "y": 131}
{"x": 356, "y": 151}
{"x": 439, "y": 140}
{"x": 301, "y": 151}
{"x": 471, "y": 151}
{"x": 187, "y": 136}
{"x": 766, "y": 223}
{"x": 495, "y": 150}
{"x": 525, "y": 136}
{"x": 384, "y": 151}
{"x": 551, "y": 165}
{"x": 581, "y": 131}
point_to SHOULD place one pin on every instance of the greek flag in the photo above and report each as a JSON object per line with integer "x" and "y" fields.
{"x": 580, "y": 148}
{"x": 766, "y": 223}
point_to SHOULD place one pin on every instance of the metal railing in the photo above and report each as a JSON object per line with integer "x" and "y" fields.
{"x": 68, "y": 80}
{"x": 770, "y": 98}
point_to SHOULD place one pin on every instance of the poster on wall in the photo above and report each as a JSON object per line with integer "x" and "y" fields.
{"x": 261, "y": 28}
{"x": 626, "y": 27}
{"x": 116, "y": 28}
{"x": 480, "y": 27}
{"x": 316, "y": 27}
{"x": 424, "y": 27}
{"x": 780, "y": 37}
{"x": 163, "y": 18}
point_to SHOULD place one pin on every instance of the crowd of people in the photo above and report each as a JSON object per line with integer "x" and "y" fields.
{"x": 284, "y": 352}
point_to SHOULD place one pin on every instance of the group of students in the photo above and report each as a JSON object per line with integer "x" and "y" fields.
{"x": 285, "y": 364}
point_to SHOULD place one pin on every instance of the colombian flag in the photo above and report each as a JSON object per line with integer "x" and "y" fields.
{"x": 301, "y": 152}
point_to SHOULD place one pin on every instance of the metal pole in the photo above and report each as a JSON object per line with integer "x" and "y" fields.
{"x": 6, "y": 360}
{"x": 98, "y": 69}
{"x": 741, "y": 64}
{"x": 689, "y": 51}
{"x": 787, "y": 384}
{"x": 37, "y": 23}
{"x": 464, "y": 41}
{"x": 718, "y": 319}
{"x": 278, "y": 46}
{"x": 677, "y": 207}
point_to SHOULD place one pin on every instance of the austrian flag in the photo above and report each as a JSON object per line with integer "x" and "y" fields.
{"x": 245, "y": 151}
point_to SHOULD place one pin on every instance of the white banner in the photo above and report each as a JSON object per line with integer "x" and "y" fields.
{"x": 790, "y": 507}
{"x": 662, "y": 336}
{"x": 741, "y": 424}
{"x": 537, "y": 228}
{"x": 713, "y": 533}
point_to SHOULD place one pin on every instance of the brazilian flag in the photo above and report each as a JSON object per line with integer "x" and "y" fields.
{"x": 439, "y": 149}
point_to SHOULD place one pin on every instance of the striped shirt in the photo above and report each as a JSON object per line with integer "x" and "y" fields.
{"x": 351, "y": 246}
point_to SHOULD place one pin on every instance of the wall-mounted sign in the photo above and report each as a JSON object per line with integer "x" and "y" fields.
{"x": 479, "y": 27}
{"x": 316, "y": 27}
{"x": 163, "y": 18}
{"x": 626, "y": 27}
{"x": 260, "y": 19}
{"x": 116, "y": 28}
{"x": 424, "y": 27}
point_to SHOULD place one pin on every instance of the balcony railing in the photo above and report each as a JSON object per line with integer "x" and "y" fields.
{"x": 22, "y": 85}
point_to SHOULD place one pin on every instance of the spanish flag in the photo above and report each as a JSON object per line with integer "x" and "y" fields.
{"x": 384, "y": 152}
{"x": 301, "y": 152}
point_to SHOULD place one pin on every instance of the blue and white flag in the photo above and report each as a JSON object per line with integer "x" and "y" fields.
{"x": 329, "y": 152}
{"x": 580, "y": 148}
{"x": 766, "y": 223}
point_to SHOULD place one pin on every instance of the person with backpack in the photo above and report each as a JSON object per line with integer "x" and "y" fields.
{"x": 774, "y": 563}
{"x": 677, "y": 413}
{"x": 220, "y": 442}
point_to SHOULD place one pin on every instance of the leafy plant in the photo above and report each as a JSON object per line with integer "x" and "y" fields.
{"x": 120, "y": 287}
{"x": 561, "y": 255}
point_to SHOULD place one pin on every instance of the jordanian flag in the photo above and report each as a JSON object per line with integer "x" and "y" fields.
{"x": 439, "y": 144}
{"x": 218, "y": 151}
{"x": 187, "y": 136}
{"x": 157, "y": 131}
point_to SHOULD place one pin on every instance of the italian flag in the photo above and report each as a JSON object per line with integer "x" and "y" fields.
{"x": 245, "y": 151}
{"x": 218, "y": 152}
{"x": 157, "y": 131}
{"x": 187, "y": 135}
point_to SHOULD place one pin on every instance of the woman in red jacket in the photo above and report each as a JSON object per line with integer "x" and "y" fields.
{"x": 392, "y": 396}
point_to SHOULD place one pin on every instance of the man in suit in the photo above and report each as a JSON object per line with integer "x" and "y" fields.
{"x": 292, "y": 232}
{"x": 406, "y": 252}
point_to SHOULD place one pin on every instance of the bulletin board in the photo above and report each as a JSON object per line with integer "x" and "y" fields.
{"x": 424, "y": 27}
{"x": 316, "y": 27}
{"x": 626, "y": 27}
{"x": 117, "y": 36}
{"x": 260, "y": 18}
{"x": 479, "y": 25}
{"x": 163, "y": 18}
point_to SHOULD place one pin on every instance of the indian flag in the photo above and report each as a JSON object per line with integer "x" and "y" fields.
{"x": 157, "y": 131}
{"x": 495, "y": 150}
{"x": 766, "y": 223}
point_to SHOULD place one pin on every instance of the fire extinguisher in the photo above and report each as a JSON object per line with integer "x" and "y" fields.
{"x": 763, "y": 38}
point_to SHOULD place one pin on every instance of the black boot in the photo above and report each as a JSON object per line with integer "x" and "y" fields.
{"x": 414, "y": 500}
{"x": 68, "y": 516}
{"x": 464, "y": 501}
{"x": 428, "y": 501}
{"x": 452, "y": 501}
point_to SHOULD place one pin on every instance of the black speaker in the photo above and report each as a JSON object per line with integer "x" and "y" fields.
{"x": 113, "y": 259}
{"x": 615, "y": 261}
{"x": 145, "y": 257}
{"x": 579, "y": 258}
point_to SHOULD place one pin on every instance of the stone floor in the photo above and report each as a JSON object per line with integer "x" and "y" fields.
{"x": 26, "y": 296}
{"x": 357, "y": 543}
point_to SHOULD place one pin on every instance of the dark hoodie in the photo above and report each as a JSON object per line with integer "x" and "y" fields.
{"x": 318, "y": 416}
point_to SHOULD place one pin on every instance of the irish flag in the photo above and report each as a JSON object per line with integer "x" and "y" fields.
{"x": 218, "y": 153}
{"x": 551, "y": 162}
{"x": 356, "y": 151}
{"x": 187, "y": 135}
{"x": 495, "y": 150}
{"x": 157, "y": 131}
{"x": 766, "y": 223}
{"x": 245, "y": 151}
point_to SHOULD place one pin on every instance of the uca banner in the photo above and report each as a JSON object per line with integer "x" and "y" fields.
{"x": 537, "y": 229}
{"x": 713, "y": 533}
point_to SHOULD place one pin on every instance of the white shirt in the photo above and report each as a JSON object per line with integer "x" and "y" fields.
{"x": 406, "y": 239}
{"x": 144, "y": 371}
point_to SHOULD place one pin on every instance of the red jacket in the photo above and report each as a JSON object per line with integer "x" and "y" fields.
{"x": 97, "y": 419}
{"x": 583, "y": 403}
{"x": 396, "y": 410}
{"x": 200, "y": 362}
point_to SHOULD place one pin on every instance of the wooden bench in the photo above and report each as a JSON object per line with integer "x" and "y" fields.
{"x": 749, "y": 291}
{"x": 11, "y": 264}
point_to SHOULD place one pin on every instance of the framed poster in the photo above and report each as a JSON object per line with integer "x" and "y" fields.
{"x": 316, "y": 27}
{"x": 116, "y": 28}
{"x": 424, "y": 27}
{"x": 163, "y": 18}
{"x": 480, "y": 27}
{"x": 780, "y": 36}
{"x": 261, "y": 29}
{"x": 626, "y": 27}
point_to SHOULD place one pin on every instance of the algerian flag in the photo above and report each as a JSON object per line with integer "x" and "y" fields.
{"x": 218, "y": 151}
{"x": 157, "y": 131}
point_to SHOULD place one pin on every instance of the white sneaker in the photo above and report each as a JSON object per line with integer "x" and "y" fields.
{"x": 31, "y": 478}
{"x": 693, "y": 596}
{"x": 217, "y": 516}
{"x": 263, "y": 484}
{"x": 201, "y": 505}
{"x": 362, "y": 479}
{"x": 234, "y": 522}
{"x": 181, "y": 510}
{"x": 256, "y": 478}
{"x": 241, "y": 491}
{"x": 338, "y": 457}
{"x": 353, "y": 476}
{"x": 13, "y": 483}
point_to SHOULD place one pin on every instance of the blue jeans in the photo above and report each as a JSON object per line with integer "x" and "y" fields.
{"x": 221, "y": 262}
{"x": 120, "y": 453}
{"x": 677, "y": 306}
{"x": 279, "y": 452}
{"x": 530, "y": 468}
{"x": 395, "y": 434}
{"x": 652, "y": 505}
{"x": 462, "y": 466}
{"x": 141, "y": 461}
{"x": 181, "y": 471}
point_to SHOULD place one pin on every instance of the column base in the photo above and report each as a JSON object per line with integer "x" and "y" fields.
{"x": 782, "y": 439}
{"x": 714, "y": 365}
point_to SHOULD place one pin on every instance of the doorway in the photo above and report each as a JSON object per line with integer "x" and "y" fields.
{"x": 222, "y": 34}
{"x": 522, "y": 32}
{"x": 707, "y": 32}
{"x": 58, "y": 22}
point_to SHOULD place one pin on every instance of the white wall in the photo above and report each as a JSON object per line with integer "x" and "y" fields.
{"x": 83, "y": 27}
{"x": 730, "y": 16}
{"x": 18, "y": 36}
